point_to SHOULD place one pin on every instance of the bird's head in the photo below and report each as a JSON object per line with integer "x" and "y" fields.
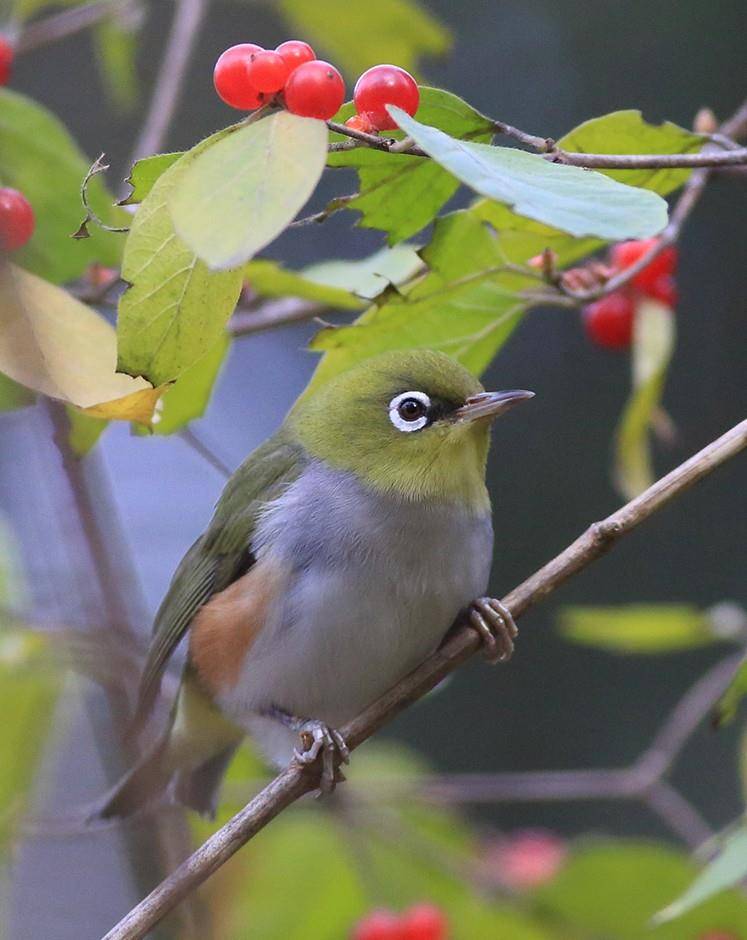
{"x": 414, "y": 423}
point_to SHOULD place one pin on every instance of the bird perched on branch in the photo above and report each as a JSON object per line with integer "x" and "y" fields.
{"x": 338, "y": 556}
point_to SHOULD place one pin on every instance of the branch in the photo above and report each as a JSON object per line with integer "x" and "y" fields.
{"x": 274, "y": 313}
{"x": 67, "y": 23}
{"x": 649, "y": 161}
{"x": 188, "y": 18}
{"x": 295, "y": 781}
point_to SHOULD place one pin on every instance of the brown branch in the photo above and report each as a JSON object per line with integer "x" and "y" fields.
{"x": 295, "y": 781}
{"x": 274, "y": 313}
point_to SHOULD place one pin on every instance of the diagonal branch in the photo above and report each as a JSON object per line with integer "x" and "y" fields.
{"x": 295, "y": 781}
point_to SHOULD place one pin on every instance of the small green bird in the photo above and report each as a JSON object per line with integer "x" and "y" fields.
{"x": 338, "y": 556}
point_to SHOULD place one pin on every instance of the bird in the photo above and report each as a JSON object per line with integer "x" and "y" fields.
{"x": 339, "y": 554}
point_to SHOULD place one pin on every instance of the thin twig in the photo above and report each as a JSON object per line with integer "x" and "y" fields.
{"x": 274, "y": 313}
{"x": 295, "y": 781}
{"x": 649, "y": 161}
{"x": 67, "y": 23}
{"x": 185, "y": 28}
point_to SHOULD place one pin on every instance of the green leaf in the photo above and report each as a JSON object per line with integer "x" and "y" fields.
{"x": 467, "y": 305}
{"x": 638, "y": 628}
{"x": 176, "y": 309}
{"x": 363, "y": 35}
{"x": 115, "y": 42}
{"x": 581, "y": 202}
{"x": 401, "y": 194}
{"x": 727, "y": 705}
{"x": 369, "y": 276}
{"x": 85, "y": 430}
{"x": 13, "y": 395}
{"x": 627, "y": 132}
{"x": 241, "y": 191}
{"x": 144, "y": 174}
{"x": 29, "y": 687}
{"x": 653, "y": 342}
{"x": 270, "y": 279}
{"x": 726, "y": 870}
{"x": 188, "y": 398}
{"x": 39, "y": 157}
{"x": 612, "y": 889}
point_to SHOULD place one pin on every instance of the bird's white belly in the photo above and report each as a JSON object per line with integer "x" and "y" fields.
{"x": 370, "y": 595}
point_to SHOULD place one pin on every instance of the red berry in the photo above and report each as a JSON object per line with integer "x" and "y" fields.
{"x": 382, "y": 85}
{"x": 380, "y": 925}
{"x": 718, "y": 935}
{"x": 295, "y": 53}
{"x": 424, "y": 922}
{"x": 664, "y": 289}
{"x": 231, "y": 79}
{"x": 267, "y": 71}
{"x": 361, "y": 122}
{"x": 627, "y": 253}
{"x": 16, "y": 219}
{"x": 524, "y": 860}
{"x": 609, "y": 321}
{"x": 315, "y": 89}
{"x": 6, "y": 60}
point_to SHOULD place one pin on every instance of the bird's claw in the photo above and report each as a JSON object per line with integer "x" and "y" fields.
{"x": 496, "y": 627}
{"x": 315, "y": 738}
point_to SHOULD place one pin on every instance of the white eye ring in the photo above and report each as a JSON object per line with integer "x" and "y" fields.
{"x": 401, "y": 423}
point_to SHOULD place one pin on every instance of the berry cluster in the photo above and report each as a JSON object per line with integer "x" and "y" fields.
{"x": 7, "y": 55}
{"x": 421, "y": 922}
{"x": 609, "y": 321}
{"x": 16, "y": 219}
{"x": 247, "y": 76}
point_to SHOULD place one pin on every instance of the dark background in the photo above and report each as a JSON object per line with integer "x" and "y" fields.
{"x": 545, "y": 67}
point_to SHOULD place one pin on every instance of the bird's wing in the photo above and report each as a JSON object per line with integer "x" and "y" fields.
{"x": 218, "y": 557}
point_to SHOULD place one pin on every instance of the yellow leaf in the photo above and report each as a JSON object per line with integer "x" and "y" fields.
{"x": 52, "y": 343}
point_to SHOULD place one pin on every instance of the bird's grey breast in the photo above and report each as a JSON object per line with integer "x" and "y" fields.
{"x": 374, "y": 583}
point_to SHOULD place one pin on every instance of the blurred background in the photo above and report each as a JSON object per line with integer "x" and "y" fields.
{"x": 545, "y": 67}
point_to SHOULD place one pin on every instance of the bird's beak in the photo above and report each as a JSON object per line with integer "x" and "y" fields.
{"x": 490, "y": 404}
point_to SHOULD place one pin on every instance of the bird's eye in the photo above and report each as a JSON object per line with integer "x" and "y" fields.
{"x": 409, "y": 411}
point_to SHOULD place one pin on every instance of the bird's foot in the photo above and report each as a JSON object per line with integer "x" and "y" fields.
{"x": 315, "y": 738}
{"x": 496, "y": 627}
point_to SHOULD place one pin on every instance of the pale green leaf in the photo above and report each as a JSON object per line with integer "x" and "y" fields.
{"x": 627, "y": 132}
{"x": 144, "y": 174}
{"x": 365, "y": 34}
{"x": 401, "y": 194}
{"x": 653, "y": 343}
{"x": 85, "y": 430}
{"x": 39, "y": 157}
{"x": 54, "y": 344}
{"x": 613, "y": 888}
{"x": 187, "y": 399}
{"x": 581, "y": 202}
{"x": 638, "y": 628}
{"x": 176, "y": 308}
{"x": 29, "y": 687}
{"x": 370, "y": 276}
{"x": 727, "y": 705}
{"x": 240, "y": 192}
{"x": 726, "y": 870}
{"x": 13, "y": 395}
{"x": 270, "y": 279}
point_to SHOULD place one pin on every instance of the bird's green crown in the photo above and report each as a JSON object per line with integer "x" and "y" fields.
{"x": 393, "y": 421}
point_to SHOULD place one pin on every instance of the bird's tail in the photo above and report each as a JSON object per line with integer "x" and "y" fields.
{"x": 141, "y": 785}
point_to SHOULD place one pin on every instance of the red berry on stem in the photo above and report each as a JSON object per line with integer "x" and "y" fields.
{"x": 267, "y": 71}
{"x": 315, "y": 89}
{"x": 16, "y": 219}
{"x": 295, "y": 53}
{"x": 626, "y": 254}
{"x": 383, "y": 85}
{"x": 7, "y": 55}
{"x": 609, "y": 321}
{"x": 231, "y": 79}
{"x": 664, "y": 289}
{"x": 379, "y": 925}
{"x": 424, "y": 922}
